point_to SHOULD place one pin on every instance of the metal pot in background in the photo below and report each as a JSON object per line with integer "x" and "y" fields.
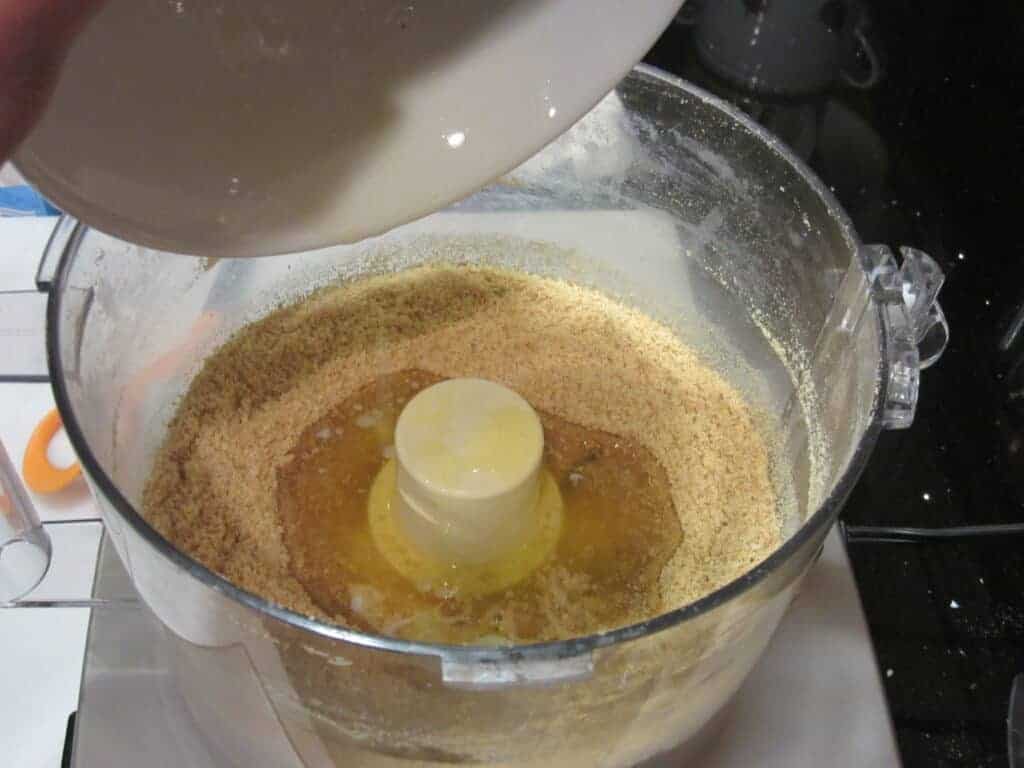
{"x": 791, "y": 48}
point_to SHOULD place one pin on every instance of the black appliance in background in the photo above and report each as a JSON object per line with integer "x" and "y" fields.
{"x": 913, "y": 113}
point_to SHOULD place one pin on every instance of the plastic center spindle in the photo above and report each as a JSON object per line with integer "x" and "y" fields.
{"x": 468, "y": 455}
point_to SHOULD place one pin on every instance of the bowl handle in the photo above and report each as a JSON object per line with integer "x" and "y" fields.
{"x": 914, "y": 327}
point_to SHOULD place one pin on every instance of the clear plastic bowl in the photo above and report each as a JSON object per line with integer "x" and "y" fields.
{"x": 664, "y": 197}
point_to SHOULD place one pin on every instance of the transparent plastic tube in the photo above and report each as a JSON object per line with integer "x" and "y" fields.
{"x": 25, "y": 547}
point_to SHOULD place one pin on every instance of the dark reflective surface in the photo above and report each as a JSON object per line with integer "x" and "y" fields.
{"x": 917, "y": 122}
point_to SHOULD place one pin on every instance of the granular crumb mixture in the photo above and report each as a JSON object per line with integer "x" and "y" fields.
{"x": 570, "y": 351}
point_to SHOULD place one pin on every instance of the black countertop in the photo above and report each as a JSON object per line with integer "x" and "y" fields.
{"x": 931, "y": 156}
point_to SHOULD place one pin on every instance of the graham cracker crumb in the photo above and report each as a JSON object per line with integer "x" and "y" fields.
{"x": 570, "y": 351}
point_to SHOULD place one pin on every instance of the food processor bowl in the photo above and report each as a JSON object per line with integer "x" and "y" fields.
{"x": 664, "y": 198}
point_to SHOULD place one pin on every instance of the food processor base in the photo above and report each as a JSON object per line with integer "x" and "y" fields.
{"x": 815, "y": 698}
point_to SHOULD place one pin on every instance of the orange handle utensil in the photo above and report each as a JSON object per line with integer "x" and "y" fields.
{"x": 40, "y": 475}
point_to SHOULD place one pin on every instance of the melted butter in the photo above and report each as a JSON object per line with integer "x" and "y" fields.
{"x": 618, "y": 530}
{"x": 466, "y": 579}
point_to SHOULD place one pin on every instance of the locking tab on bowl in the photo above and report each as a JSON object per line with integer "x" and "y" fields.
{"x": 915, "y": 328}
